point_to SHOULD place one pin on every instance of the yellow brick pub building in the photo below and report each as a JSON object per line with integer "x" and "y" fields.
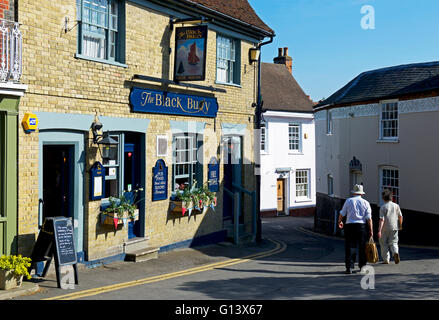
{"x": 115, "y": 100}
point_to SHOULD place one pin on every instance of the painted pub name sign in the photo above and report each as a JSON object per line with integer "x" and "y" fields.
{"x": 154, "y": 101}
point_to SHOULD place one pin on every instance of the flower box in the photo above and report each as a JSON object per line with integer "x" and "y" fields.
{"x": 8, "y": 280}
{"x": 115, "y": 219}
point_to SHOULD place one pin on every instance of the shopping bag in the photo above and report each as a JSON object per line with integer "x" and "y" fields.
{"x": 371, "y": 251}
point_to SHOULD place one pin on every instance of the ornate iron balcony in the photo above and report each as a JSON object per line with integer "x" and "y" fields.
{"x": 10, "y": 51}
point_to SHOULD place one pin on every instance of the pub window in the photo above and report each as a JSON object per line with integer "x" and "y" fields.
{"x": 186, "y": 167}
{"x": 228, "y": 60}
{"x": 112, "y": 169}
{"x": 101, "y": 32}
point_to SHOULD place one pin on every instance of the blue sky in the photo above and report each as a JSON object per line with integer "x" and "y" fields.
{"x": 329, "y": 47}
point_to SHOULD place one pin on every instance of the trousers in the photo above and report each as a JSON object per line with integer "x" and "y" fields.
{"x": 389, "y": 240}
{"x": 355, "y": 238}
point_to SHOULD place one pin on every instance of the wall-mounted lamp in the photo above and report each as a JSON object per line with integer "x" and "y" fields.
{"x": 254, "y": 54}
{"x": 107, "y": 143}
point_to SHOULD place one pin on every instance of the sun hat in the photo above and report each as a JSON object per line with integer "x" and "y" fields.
{"x": 358, "y": 189}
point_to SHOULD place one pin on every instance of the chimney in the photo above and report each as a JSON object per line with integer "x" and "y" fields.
{"x": 284, "y": 58}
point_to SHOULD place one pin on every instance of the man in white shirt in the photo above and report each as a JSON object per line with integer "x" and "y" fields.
{"x": 358, "y": 215}
{"x": 390, "y": 223}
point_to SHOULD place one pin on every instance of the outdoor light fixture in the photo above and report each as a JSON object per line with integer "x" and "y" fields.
{"x": 254, "y": 54}
{"x": 107, "y": 143}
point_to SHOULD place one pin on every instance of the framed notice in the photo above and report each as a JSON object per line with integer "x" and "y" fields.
{"x": 97, "y": 181}
{"x": 190, "y": 53}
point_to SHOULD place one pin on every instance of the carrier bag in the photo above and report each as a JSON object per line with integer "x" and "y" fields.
{"x": 371, "y": 251}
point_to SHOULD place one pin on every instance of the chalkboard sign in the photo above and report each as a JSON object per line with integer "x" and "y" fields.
{"x": 213, "y": 175}
{"x": 56, "y": 239}
{"x": 160, "y": 181}
{"x": 65, "y": 245}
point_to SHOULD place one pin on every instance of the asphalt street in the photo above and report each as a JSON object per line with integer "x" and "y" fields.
{"x": 292, "y": 263}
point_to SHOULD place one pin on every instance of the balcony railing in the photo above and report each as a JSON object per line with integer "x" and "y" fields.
{"x": 10, "y": 51}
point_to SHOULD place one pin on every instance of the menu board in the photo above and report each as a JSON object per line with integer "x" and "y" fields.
{"x": 160, "y": 181}
{"x": 64, "y": 241}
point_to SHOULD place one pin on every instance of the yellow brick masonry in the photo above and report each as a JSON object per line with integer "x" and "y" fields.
{"x": 59, "y": 82}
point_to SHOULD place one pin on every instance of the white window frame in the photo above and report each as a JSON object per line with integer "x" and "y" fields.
{"x": 264, "y": 136}
{"x": 329, "y": 122}
{"x": 299, "y": 138}
{"x": 191, "y": 161}
{"x": 394, "y": 187}
{"x": 228, "y": 66}
{"x": 307, "y": 197}
{"x": 385, "y": 104}
{"x": 330, "y": 178}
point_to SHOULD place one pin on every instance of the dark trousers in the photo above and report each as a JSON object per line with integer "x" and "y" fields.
{"x": 355, "y": 237}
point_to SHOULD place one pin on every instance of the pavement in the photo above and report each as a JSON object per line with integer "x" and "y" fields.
{"x": 289, "y": 248}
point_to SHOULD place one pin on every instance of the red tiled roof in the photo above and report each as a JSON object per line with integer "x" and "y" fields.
{"x": 238, "y": 9}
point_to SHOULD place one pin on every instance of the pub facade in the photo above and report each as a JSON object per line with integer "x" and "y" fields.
{"x": 137, "y": 102}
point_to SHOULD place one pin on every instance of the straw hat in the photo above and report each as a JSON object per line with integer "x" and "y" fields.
{"x": 358, "y": 189}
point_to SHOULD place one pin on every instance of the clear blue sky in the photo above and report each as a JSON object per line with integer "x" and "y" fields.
{"x": 329, "y": 47}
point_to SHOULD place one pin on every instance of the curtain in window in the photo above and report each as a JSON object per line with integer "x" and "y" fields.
{"x": 99, "y": 19}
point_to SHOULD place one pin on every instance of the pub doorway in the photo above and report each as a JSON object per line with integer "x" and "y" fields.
{"x": 58, "y": 191}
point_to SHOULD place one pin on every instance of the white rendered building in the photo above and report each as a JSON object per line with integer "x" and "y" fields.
{"x": 287, "y": 142}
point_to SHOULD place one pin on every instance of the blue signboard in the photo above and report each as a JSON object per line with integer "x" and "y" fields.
{"x": 160, "y": 181}
{"x": 153, "y": 101}
{"x": 213, "y": 175}
{"x": 97, "y": 181}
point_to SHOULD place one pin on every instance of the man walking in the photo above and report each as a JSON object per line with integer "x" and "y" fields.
{"x": 390, "y": 223}
{"x": 358, "y": 215}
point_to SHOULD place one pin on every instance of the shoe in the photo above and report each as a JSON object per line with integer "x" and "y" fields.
{"x": 385, "y": 262}
{"x": 349, "y": 271}
{"x": 396, "y": 258}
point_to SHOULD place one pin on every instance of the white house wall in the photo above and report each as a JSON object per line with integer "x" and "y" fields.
{"x": 356, "y": 133}
{"x": 278, "y": 156}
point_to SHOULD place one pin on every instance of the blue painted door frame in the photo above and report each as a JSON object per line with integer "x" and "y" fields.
{"x": 76, "y": 141}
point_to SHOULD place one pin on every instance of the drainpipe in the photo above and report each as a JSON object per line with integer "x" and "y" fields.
{"x": 258, "y": 116}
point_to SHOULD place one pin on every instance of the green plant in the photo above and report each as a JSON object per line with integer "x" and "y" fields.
{"x": 124, "y": 204}
{"x": 17, "y": 264}
{"x": 198, "y": 196}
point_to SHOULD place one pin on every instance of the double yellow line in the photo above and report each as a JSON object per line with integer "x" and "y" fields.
{"x": 280, "y": 247}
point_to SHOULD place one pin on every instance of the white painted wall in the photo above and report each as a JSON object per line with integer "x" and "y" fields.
{"x": 356, "y": 133}
{"x": 277, "y": 155}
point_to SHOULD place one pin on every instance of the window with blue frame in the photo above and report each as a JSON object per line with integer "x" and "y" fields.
{"x": 101, "y": 32}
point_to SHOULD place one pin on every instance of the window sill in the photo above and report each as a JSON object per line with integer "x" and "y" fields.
{"x": 295, "y": 153}
{"x": 113, "y": 63}
{"x": 228, "y": 84}
{"x": 388, "y": 141}
{"x": 303, "y": 200}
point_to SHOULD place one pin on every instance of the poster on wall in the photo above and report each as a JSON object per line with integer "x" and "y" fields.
{"x": 190, "y": 53}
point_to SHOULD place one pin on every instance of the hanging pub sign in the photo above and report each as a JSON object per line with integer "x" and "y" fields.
{"x": 160, "y": 181}
{"x": 213, "y": 175}
{"x": 190, "y": 53}
{"x": 154, "y": 101}
{"x": 97, "y": 181}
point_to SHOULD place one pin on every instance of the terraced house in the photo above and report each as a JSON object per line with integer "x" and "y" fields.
{"x": 380, "y": 131}
{"x": 136, "y": 99}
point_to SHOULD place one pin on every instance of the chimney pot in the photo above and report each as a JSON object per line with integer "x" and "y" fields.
{"x": 280, "y": 52}
{"x": 285, "y": 51}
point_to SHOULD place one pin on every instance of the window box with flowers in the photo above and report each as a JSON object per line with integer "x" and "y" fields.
{"x": 194, "y": 199}
{"x": 12, "y": 271}
{"x": 121, "y": 210}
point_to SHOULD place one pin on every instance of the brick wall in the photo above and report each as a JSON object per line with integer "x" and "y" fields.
{"x": 59, "y": 82}
{"x": 7, "y": 10}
